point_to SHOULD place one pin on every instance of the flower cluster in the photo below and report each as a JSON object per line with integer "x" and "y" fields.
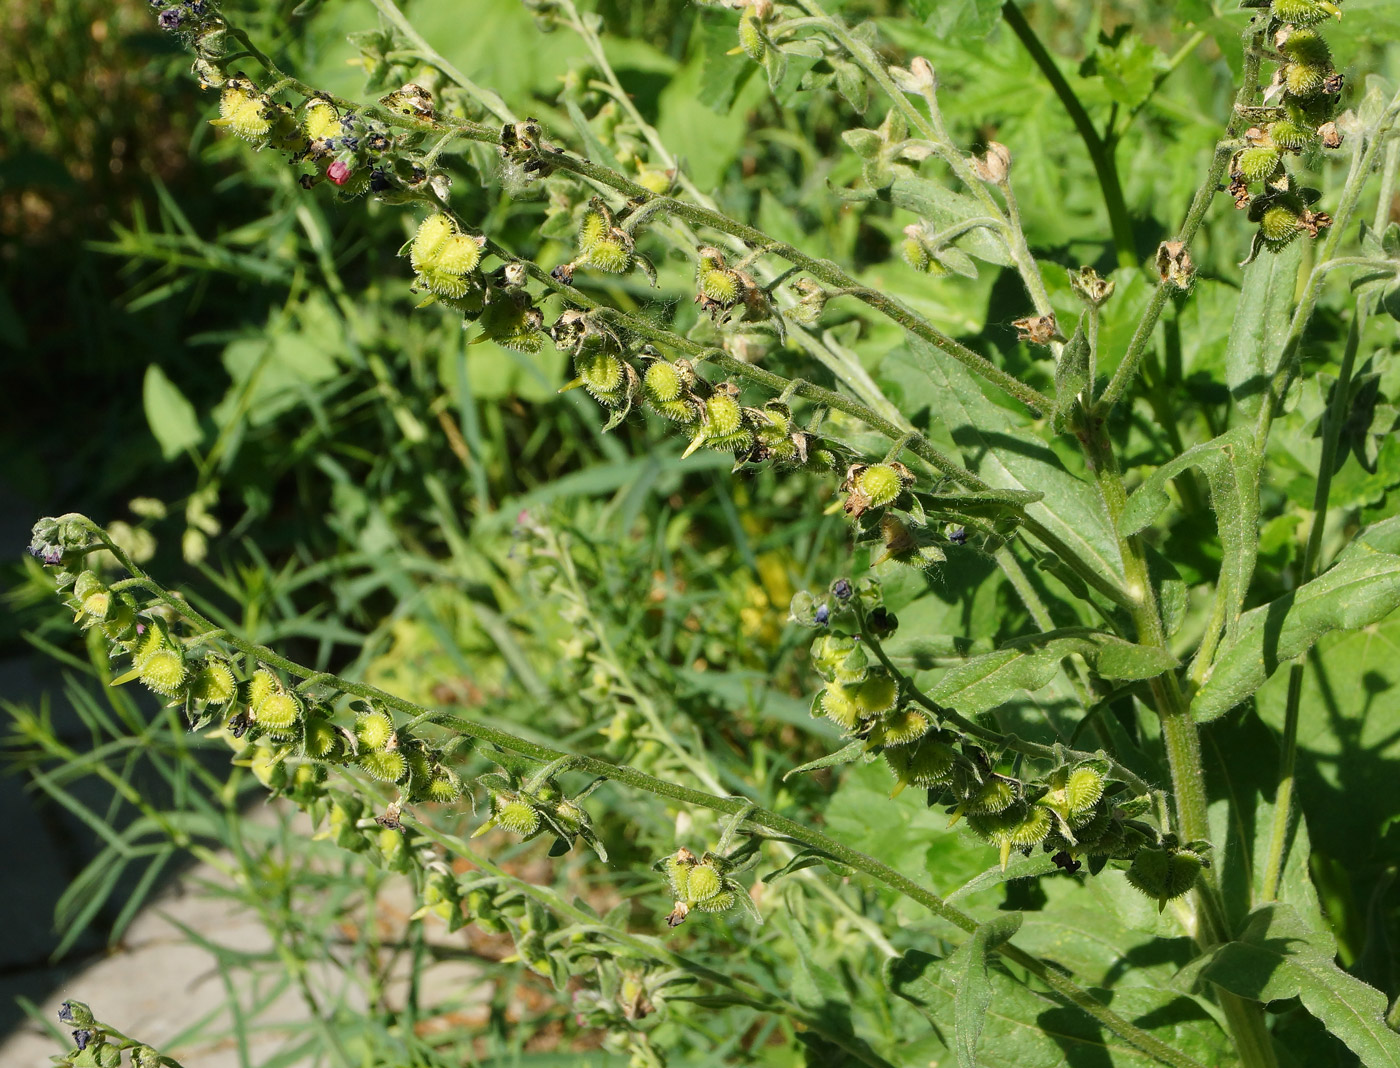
{"x": 1298, "y": 104}
{"x": 96, "y": 1045}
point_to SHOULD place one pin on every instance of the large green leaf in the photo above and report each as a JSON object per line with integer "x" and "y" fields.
{"x": 1006, "y": 454}
{"x": 1261, "y": 324}
{"x": 1278, "y": 956}
{"x": 1231, "y": 466}
{"x": 984, "y": 682}
{"x": 968, "y": 970}
{"x": 1026, "y": 1029}
{"x": 1360, "y": 590}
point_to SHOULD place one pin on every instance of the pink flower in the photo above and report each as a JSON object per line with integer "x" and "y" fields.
{"x": 338, "y": 172}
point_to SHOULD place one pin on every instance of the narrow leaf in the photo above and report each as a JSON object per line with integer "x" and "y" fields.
{"x": 846, "y": 755}
{"x": 968, "y": 967}
{"x": 1261, "y": 324}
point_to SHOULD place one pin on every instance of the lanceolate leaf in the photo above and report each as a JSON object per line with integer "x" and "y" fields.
{"x": 968, "y": 970}
{"x": 1261, "y": 324}
{"x": 1231, "y": 466}
{"x": 1025, "y": 1029}
{"x": 1279, "y": 956}
{"x": 1360, "y": 590}
{"x": 1006, "y": 455}
{"x": 984, "y": 682}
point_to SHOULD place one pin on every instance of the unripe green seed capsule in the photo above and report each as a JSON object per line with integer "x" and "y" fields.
{"x": 244, "y": 111}
{"x": 323, "y": 741}
{"x": 678, "y": 869}
{"x": 705, "y": 882}
{"x": 611, "y": 254}
{"x": 928, "y": 763}
{"x": 875, "y": 695}
{"x": 904, "y": 727}
{"x": 1279, "y": 225}
{"x": 1290, "y": 135}
{"x": 881, "y": 483}
{"x": 1258, "y": 163}
{"x": 459, "y": 254}
{"x": 751, "y": 38}
{"x": 1163, "y": 874}
{"x": 444, "y": 787}
{"x": 431, "y": 235}
{"x": 1303, "y": 12}
{"x": 592, "y": 229}
{"x": 721, "y": 902}
{"x": 322, "y": 121}
{"x": 164, "y": 671}
{"x": 916, "y": 255}
{"x": 214, "y": 683}
{"x": 387, "y": 765}
{"x": 724, "y": 414}
{"x": 995, "y": 795}
{"x": 519, "y": 817}
{"x": 601, "y": 374}
{"x": 1305, "y": 80}
{"x": 261, "y": 686}
{"x": 1308, "y": 48}
{"x": 120, "y": 624}
{"x": 374, "y": 729}
{"x": 838, "y": 705}
{"x": 1083, "y": 790}
{"x": 718, "y": 284}
{"x": 661, "y": 383}
{"x": 278, "y": 713}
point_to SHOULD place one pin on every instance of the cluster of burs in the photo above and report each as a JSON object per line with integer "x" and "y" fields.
{"x": 1294, "y": 118}
{"x": 1071, "y": 811}
{"x": 290, "y": 739}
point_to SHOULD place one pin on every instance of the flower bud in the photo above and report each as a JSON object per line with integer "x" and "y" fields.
{"x": 76, "y": 1014}
{"x": 994, "y": 165}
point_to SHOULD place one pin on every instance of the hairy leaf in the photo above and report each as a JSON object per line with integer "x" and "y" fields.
{"x": 968, "y": 970}
{"x": 1261, "y": 324}
{"x": 1279, "y": 956}
{"x": 983, "y": 682}
{"x": 1358, "y": 591}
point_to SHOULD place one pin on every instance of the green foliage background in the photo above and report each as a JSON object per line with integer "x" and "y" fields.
{"x": 343, "y": 477}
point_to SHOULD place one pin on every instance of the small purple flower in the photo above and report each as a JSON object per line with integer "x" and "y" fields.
{"x": 823, "y": 614}
{"x": 195, "y": 7}
{"x": 958, "y": 535}
{"x": 380, "y": 181}
{"x": 842, "y": 589}
{"x": 346, "y": 142}
{"x": 82, "y": 1038}
{"x": 169, "y": 19}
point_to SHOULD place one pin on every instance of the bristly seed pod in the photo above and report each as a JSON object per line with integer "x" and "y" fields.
{"x": 387, "y": 765}
{"x": 244, "y": 110}
{"x": 214, "y": 683}
{"x": 928, "y": 763}
{"x": 751, "y": 37}
{"x": 279, "y": 713}
{"x": 164, "y": 671}
{"x": 374, "y": 729}
{"x": 1163, "y": 873}
{"x": 1256, "y": 164}
{"x": 517, "y": 816}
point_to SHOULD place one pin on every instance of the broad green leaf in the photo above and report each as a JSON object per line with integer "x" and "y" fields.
{"x": 1026, "y": 1029}
{"x": 1071, "y": 376}
{"x": 1279, "y": 956}
{"x": 1358, "y": 591}
{"x": 1261, "y": 324}
{"x": 1128, "y": 65}
{"x": 172, "y": 418}
{"x": 959, "y": 19}
{"x": 1019, "y": 867}
{"x": 1006, "y": 454}
{"x": 968, "y": 970}
{"x": 984, "y": 682}
{"x": 1231, "y": 466}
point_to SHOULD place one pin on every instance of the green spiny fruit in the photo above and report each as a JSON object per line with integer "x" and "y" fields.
{"x": 662, "y": 383}
{"x": 164, "y": 671}
{"x": 385, "y": 765}
{"x": 838, "y": 705}
{"x": 444, "y": 787}
{"x": 704, "y": 883}
{"x": 751, "y": 38}
{"x": 1083, "y": 789}
{"x": 428, "y": 239}
{"x": 1304, "y": 79}
{"x": 214, "y": 683}
{"x": 1308, "y": 48}
{"x": 1258, "y": 163}
{"x": 880, "y": 483}
{"x": 1279, "y": 224}
{"x": 721, "y": 902}
{"x": 677, "y": 868}
{"x": 373, "y": 729}
{"x": 605, "y": 377}
{"x": 1289, "y": 135}
{"x": 279, "y": 713}
{"x": 593, "y": 228}
{"x": 876, "y": 694}
{"x": 322, "y": 121}
{"x": 927, "y": 764}
{"x": 244, "y": 111}
{"x": 322, "y": 740}
{"x": 995, "y": 795}
{"x": 261, "y": 686}
{"x": 1164, "y": 874}
{"x": 903, "y": 727}
{"x": 517, "y": 816}
{"x": 1304, "y": 12}
{"x": 612, "y": 253}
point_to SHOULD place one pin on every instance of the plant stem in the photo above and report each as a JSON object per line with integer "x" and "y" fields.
{"x": 1195, "y": 216}
{"x": 628, "y": 776}
{"x": 1101, "y": 149}
{"x": 1288, "y": 746}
